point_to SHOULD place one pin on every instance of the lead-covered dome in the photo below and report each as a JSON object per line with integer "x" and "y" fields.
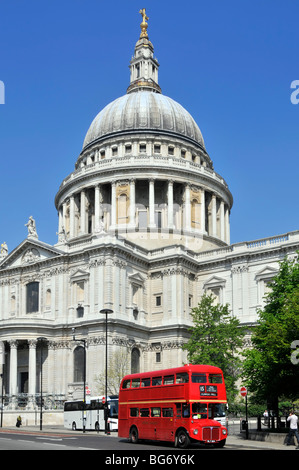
{"x": 144, "y": 111}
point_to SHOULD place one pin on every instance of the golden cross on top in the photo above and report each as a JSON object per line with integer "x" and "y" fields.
{"x": 144, "y": 23}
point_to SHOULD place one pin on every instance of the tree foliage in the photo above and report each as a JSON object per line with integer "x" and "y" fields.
{"x": 216, "y": 338}
{"x": 269, "y": 367}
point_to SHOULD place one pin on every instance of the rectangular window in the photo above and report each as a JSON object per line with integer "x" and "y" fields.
{"x": 134, "y": 412}
{"x": 215, "y": 378}
{"x": 135, "y": 383}
{"x": 142, "y": 148}
{"x": 199, "y": 378}
{"x": 170, "y": 150}
{"x": 182, "y": 378}
{"x": 126, "y": 384}
{"x": 155, "y": 412}
{"x": 158, "y": 300}
{"x": 128, "y": 148}
{"x": 145, "y": 382}
{"x": 144, "y": 412}
{"x": 158, "y": 219}
{"x": 169, "y": 379}
{"x": 178, "y": 410}
{"x": 156, "y": 381}
{"x": 32, "y": 297}
{"x": 157, "y": 148}
{"x": 167, "y": 412}
{"x": 114, "y": 151}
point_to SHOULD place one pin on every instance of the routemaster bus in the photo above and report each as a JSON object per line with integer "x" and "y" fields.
{"x": 92, "y": 414}
{"x": 177, "y": 405}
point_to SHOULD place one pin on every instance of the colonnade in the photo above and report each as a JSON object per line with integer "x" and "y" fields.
{"x": 31, "y": 367}
{"x": 112, "y": 205}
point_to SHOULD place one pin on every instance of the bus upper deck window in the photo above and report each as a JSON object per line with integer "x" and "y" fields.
{"x": 126, "y": 384}
{"x": 215, "y": 378}
{"x": 182, "y": 378}
{"x": 156, "y": 381}
{"x": 199, "y": 378}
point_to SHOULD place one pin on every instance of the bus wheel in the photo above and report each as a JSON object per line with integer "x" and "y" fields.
{"x": 221, "y": 443}
{"x": 74, "y": 427}
{"x": 182, "y": 439}
{"x": 134, "y": 435}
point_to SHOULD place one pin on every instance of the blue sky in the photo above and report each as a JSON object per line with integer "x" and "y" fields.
{"x": 230, "y": 64}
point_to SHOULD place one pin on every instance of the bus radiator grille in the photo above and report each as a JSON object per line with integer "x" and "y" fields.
{"x": 211, "y": 434}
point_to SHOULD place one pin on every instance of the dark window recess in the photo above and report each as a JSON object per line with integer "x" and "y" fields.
{"x": 32, "y": 297}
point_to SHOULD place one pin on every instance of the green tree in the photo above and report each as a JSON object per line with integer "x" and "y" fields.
{"x": 118, "y": 367}
{"x": 271, "y": 368}
{"x": 216, "y": 338}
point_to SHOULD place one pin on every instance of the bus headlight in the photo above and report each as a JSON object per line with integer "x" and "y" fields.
{"x": 195, "y": 431}
{"x": 224, "y": 431}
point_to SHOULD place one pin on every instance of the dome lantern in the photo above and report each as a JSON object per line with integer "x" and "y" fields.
{"x": 143, "y": 66}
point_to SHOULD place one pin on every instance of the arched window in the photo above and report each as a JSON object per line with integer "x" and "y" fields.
{"x": 122, "y": 209}
{"x": 195, "y": 214}
{"x": 135, "y": 361}
{"x": 79, "y": 364}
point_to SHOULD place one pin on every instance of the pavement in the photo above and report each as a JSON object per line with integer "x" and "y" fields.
{"x": 236, "y": 440}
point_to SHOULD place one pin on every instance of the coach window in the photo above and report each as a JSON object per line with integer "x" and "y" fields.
{"x": 32, "y": 297}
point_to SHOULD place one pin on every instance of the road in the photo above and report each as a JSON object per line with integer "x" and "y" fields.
{"x": 33, "y": 440}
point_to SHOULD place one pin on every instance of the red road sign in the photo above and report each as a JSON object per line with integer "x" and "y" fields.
{"x": 243, "y": 391}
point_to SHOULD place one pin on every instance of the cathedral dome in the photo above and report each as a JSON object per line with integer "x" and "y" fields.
{"x": 144, "y": 111}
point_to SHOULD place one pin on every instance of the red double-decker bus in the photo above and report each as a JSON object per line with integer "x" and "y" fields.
{"x": 178, "y": 405}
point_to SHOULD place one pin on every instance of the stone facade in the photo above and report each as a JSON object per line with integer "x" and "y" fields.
{"x": 143, "y": 229}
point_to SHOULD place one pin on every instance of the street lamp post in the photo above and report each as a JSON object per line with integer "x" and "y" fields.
{"x": 84, "y": 373}
{"x": 106, "y": 312}
{"x": 41, "y": 339}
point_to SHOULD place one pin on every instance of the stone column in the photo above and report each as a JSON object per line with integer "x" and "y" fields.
{"x": 132, "y": 203}
{"x": 214, "y": 216}
{"x": 64, "y": 215}
{"x": 83, "y": 213}
{"x": 113, "y": 204}
{"x": 222, "y": 231}
{"x": 97, "y": 208}
{"x": 170, "y": 204}
{"x": 227, "y": 228}
{"x": 13, "y": 369}
{"x": 72, "y": 217}
{"x": 187, "y": 208}
{"x": 151, "y": 203}
{"x": 32, "y": 367}
{"x": 203, "y": 211}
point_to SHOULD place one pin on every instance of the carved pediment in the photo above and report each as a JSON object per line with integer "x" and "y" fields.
{"x": 30, "y": 251}
{"x": 79, "y": 274}
{"x": 214, "y": 281}
{"x": 266, "y": 273}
